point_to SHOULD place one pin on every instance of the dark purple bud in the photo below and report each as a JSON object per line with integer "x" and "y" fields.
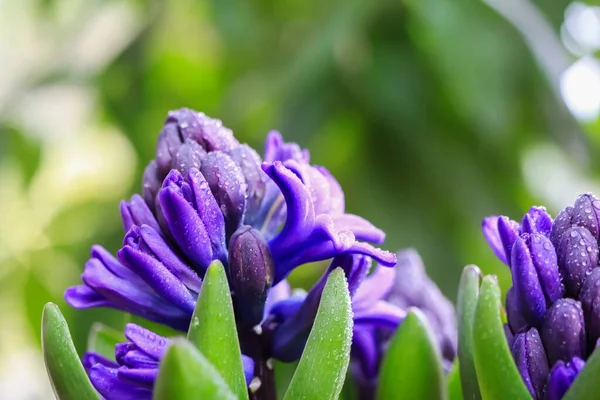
{"x": 561, "y": 377}
{"x": 167, "y": 146}
{"x": 228, "y": 187}
{"x": 562, "y": 222}
{"x": 537, "y": 220}
{"x": 208, "y": 132}
{"x": 563, "y": 331}
{"x": 590, "y": 303}
{"x": 151, "y": 184}
{"x": 137, "y": 213}
{"x": 543, "y": 256}
{"x": 189, "y": 155}
{"x": 526, "y": 284}
{"x": 529, "y": 355}
{"x": 250, "y": 164}
{"x": 586, "y": 213}
{"x": 251, "y": 270}
{"x": 577, "y": 254}
{"x": 516, "y": 321}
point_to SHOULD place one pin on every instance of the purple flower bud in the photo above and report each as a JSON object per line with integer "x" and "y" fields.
{"x": 227, "y": 184}
{"x": 151, "y": 184}
{"x": 577, "y": 254}
{"x": 256, "y": 180}
{"x": 586, "y": 213}
{"x": 562, "y": 222}
{"x": 167, "y": 146}
{"x": 563, "y": 331}
{"x": 526, "y": 284}
{"x": 137, "y": 213}
{"x": 529, "y": 355}
{"x": 590, "y": 303}
{"x": 562, "y": 376}
{"x": 516, "y": 320}
{"x": 276, "y": 149}
{"x": 251, "y": 270}
{"x": 189, "y": 155}
{"x": 537, "y": 220}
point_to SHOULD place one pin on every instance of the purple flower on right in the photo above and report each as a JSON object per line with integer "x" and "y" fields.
{"x": 553, "y": 307}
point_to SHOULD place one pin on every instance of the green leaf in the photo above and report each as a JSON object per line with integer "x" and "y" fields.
{"x": 102, "y": 339}
{"x": 185, "y": 374}
{"x": 322, "y": 368}
{"x": 496, "y": 371}
{"x": 412, "y": 367}
{"x": 466, "y": 304}
{"x": 585, "y": 386}
{"x": 213, "y": 329}
{"x": 67, "y": 376}
{"x": 455, "y": 391}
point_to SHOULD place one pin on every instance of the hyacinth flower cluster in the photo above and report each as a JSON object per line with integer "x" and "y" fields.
{"x": 205, "y": 198}
{"x": 553, "y": 305}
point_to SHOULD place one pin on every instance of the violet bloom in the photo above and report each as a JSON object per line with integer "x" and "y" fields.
{"x": 553, "y": 321}
{"x": 379, "y": 303}
{"x": 202, "y": 193}
{"x": 132, "y": 375}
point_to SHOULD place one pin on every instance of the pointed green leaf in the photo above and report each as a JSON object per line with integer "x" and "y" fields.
{"x": 67, "y": 376}
{"x": 466, "y": 304}
{"x": 497, "y": 373}
{"x": 102, "y": 340}
{"x": 455, "y": 391}
{"x": 213, "y": 329}
{"x": 412, "y": 367}
{"x": 185, "y": 374}
{"x": 322, "y": 368}
{"x": 585, "y": 386}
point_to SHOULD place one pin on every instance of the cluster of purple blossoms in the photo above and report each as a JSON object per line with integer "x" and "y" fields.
{"x": 553, "y": 307}
{"x": 207, "y": 197}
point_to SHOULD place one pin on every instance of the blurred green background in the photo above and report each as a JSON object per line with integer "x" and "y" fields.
{"x": 432, "y": 114}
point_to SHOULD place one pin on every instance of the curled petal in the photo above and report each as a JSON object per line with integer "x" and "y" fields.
{"x": 362, "y": 229}
{"x": 276, "y": 149}
{"x": 374, "y": 288}
{"x": 489, "y": 226}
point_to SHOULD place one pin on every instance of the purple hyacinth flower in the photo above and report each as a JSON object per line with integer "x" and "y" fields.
{"x": 561, "y": 377}
{"x": 530, "y": 357}
{"x": 316, "y": 227}
{"x": 134, "y": 372}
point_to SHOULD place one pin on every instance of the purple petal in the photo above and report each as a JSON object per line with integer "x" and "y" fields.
{"x": 527, "y": 288}
{"x": 141, "y": 377}
{"x": 248, "y": 366}
{"x": 374, "y": 288}
{"x": 543, "y": 256}
{"x": 586, "y": 213}
{"x": 163, "y": 252}
{"x": 364, "y": 350}
{"x": 489, "y": 227}
{"x": 278, "y": 293}
{"x": 590, "y": 303}
{"x": 562, "y": 222}
{"x": 149, "y": 342}
{"x": 83, "y": 296}
{"x": 107, "y": 383}
{"x": 278, "y": 150}
{"x": 249, "y": 163}
{"x": 362, "y": 229}
{"x": 186, "y": 227}
{"x": 561, "y": 377}
{"x": 516, "y": 321}
{"x": 136, "y": 212}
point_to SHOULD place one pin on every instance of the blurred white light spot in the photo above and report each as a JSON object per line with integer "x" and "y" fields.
{"x": 551, "y": 176}
{"x": 582, "y": 23}
{"x": 580, "y": 88}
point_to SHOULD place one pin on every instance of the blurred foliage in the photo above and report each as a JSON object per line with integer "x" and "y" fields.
{"x": 429, "y": 112}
